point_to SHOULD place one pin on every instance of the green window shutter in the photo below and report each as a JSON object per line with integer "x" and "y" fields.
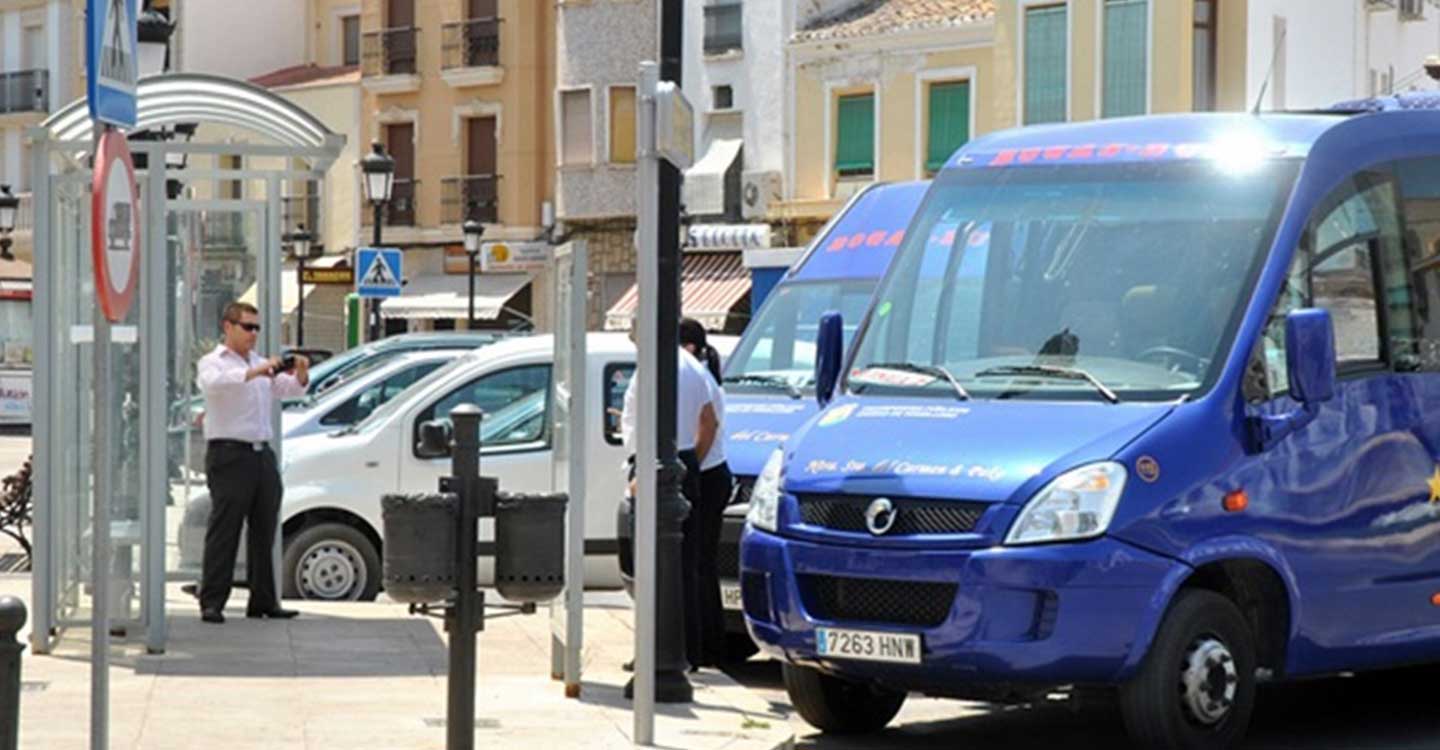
{"x": 949, "y": 122}
{"x": 1046, "y": 56}
{"x": 855, "y": 146}
{"x": 1126, "y": 30}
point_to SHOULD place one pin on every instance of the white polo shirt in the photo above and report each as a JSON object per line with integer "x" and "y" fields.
{"x": 693, "y": 391}
{"x": 234, "y": 408}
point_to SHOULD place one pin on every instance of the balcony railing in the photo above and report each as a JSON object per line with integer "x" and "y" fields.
{"x": 389, "y": 52}
{"x": 25, "y": 91}
{"x": 470, "y": 197}
{"x": 470, "y": 44}
{"x": 723, "y": 29}
{"x": 300, "y": 209}
{"x": 400, "y": 211}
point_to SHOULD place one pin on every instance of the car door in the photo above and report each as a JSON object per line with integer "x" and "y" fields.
{"x": 608, "y": 376}
{"x": 1353, "y": 508}
{"x": 514, "y": 433}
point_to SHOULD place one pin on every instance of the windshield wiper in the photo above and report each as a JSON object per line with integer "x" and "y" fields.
{"x": 771, "y": 380}
{"x": 1052, "y": 371}
{"x": 938, "y": 371}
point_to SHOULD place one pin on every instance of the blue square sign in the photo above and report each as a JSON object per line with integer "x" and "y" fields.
{"x": 378, "y": 272}
{"x": 112, "y": 61}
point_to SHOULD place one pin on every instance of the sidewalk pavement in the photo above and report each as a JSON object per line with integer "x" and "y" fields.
{"x": 358, "y": 676}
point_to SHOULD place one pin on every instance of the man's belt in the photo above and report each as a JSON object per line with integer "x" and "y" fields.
{"x": 245, "y": 444}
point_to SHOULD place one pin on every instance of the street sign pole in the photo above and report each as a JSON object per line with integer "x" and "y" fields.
{"x": 647, "y": 172}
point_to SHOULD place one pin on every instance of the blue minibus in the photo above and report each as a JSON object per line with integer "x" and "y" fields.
{"x": 1146, "y": 405}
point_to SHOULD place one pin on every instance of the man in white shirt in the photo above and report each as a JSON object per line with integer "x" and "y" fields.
{"x": 240, "y": 390}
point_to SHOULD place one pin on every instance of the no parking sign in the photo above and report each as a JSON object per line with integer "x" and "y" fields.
{"x": 115, "y": 226}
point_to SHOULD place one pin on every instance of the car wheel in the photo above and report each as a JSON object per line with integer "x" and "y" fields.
{"x": 1196, "y": 686}
{"x": 333, "y": 562}
{"x": 839, "y": 706}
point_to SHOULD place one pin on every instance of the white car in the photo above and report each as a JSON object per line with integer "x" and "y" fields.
{"x": 359, "y": 393}
{"x": 331, "y": 517}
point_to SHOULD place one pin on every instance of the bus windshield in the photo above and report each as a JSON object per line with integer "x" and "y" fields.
{"x": 1114, "y": 281}
{"x": 778, "y": 350}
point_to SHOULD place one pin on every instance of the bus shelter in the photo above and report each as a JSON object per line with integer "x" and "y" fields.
{"x": 215, "y": 160}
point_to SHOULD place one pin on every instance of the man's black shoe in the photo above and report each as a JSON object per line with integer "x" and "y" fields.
{"x": 212, "y": 615}
{"x": 274, "y": 614}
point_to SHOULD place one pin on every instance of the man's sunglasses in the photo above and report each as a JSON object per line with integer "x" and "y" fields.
{"x": 251, "y": 327}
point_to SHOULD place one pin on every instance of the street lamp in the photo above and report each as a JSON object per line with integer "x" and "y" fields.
{"x": 473, "y": 230}
{"x": 378, "y": 169}
{"x": 301, "y": 246}
{"x": 9, "y": 207}
{"x": 154, "y": 30}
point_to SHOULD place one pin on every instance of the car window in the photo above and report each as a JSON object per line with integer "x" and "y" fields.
{"x": 617, "y": 379}
{"x": 514, "y": 401}
{"x": 362, "y": 404}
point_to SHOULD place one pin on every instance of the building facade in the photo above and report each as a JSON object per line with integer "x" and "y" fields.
{"x": 457, "y": 91}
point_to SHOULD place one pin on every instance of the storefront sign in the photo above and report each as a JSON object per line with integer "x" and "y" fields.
{"x": 15, "y": 397}
{"x": 505, "y": 257}
{"x": 333, "y": 276}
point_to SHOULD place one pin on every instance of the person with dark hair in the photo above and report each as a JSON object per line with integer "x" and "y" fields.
{"x": 240, "y": 390}
{"x": 716, "y": 486}
{"x": 697, "y": 436}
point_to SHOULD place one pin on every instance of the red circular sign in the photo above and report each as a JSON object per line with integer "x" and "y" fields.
{"x": 114, "y": 226}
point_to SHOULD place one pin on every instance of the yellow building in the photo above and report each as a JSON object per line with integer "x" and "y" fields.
{"x": 460, "y": 94}
{"x": 885, "y": 90}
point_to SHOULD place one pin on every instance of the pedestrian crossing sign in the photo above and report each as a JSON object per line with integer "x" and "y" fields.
{"x": 380, "y": 272}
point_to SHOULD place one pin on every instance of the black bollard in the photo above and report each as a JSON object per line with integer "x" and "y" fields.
{"x": 12, "y": 618}
{"x": 477, "y": 498}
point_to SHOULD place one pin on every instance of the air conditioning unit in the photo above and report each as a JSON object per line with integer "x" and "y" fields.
{"x": 758, "y": 192}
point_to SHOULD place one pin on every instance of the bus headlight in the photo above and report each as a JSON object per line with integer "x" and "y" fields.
{"x": 765, "y": 497}
{"x": 1076, "y": 505}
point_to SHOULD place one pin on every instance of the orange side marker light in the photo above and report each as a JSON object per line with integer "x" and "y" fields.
{"x": 1236, "y": 501}
{"x": 1435, "y": 600}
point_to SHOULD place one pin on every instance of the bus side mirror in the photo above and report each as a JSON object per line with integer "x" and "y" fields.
{"x": 1310, "y": 353}
{"x": 1310, "y": 349}
{"x": 829, "y": 345}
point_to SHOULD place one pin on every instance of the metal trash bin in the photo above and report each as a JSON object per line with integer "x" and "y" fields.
{"x": 530, "y": 546}
{"x": 420, "y": 546}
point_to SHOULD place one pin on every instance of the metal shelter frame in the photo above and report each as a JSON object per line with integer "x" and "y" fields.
{"x": 60, "y": 162}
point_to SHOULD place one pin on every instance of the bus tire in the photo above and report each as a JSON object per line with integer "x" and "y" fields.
{"x": 838, "y": 706}
{"x": 1196, "y": 687}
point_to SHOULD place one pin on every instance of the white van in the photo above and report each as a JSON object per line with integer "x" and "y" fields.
{"x": 333, "y": 482}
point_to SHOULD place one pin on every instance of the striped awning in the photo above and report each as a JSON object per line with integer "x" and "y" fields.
{"x": 447, "y": 296}
{"x": 711, "y": 284}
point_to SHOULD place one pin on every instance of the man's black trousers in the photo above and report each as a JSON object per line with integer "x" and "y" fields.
{"x": 245, "y": 492}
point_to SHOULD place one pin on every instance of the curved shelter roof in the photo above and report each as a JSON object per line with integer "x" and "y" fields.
{"x": 193, "y": 97}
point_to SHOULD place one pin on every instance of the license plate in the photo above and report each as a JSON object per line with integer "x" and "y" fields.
{"x": 730, "y": 596}
{"x": 864, "y": 645}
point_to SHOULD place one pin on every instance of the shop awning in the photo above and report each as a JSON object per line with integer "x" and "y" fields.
{"x": 290, "y": 286}
{"x": 445, "y": 296}
{"x": 729, "y": 236}
{"x": 711, "y": 284}
{"x": 704, "y": 189}
{"x": 16, "y": 289}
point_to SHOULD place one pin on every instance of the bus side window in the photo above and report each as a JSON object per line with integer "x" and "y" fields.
{"x": 1357, "y": 272}
{"x": 1419, "y": 184}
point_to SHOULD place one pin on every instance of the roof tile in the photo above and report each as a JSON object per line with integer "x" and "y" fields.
{"x": 874, "y": 17}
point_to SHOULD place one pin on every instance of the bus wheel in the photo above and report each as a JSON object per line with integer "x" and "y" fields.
{"x": 838, "y": 706}
{"x": 1196, "y": 687}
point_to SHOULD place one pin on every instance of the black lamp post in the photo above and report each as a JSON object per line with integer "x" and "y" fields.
{"x": 153, "y": 33}
{"x": 302, "y": 244}
{"x": 9, "y": 207}
{"x": 474, "y": 230}
{"x": 378, "y": 169}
